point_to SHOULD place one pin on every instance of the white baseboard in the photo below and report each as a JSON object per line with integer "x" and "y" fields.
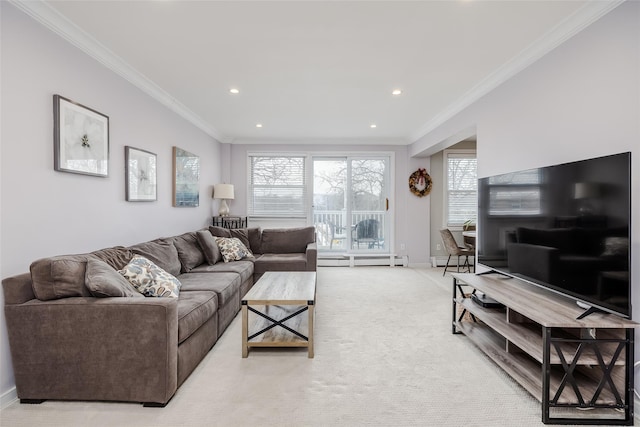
{"x": 8, "y": 398}
{"x": 344, "y": 260}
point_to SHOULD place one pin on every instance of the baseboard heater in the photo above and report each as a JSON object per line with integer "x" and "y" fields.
{"x": 353, "y": 260}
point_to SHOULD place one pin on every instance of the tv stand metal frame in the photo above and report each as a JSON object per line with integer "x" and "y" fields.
{"x": 604, "y": 342}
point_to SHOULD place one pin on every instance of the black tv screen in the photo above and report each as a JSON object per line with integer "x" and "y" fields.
{"x": 565, "y": 227}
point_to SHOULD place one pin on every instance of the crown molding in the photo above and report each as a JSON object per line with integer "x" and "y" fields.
{"x": 563, "y": 31}
{"x": 319, "y": 141}
{"x": 59, "y": 24}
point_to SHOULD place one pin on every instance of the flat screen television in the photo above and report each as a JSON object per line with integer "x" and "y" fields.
{"x": 565, "y": 227}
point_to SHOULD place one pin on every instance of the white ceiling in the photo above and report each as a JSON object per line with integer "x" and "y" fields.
{"x": 317, "y": 71}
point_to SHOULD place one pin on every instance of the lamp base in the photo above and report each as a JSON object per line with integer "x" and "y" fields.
{"x": 224, "y": 208}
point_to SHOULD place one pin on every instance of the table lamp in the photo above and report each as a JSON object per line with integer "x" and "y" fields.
{"x": 223, "y": 192}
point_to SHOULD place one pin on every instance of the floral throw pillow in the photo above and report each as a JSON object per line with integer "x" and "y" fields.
{"x": 149, "y": 279}
{"x": 232, "y": 249}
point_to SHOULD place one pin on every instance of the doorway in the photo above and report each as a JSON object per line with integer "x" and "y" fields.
{"x": 351, "y": 203}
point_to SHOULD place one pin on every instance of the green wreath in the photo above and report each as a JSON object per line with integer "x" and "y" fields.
{"x": 420, "y": 178}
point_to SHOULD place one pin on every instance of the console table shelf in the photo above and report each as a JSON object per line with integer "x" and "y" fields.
{"x": 567, "y": 364}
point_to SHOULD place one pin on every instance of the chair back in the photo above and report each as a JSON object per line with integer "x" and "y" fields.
{"x": 367, "y": 229}
{"x": 324, "y": 233}
{"x": 450, "y": 244}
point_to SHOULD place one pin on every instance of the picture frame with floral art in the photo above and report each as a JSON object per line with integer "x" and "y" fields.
{"x": 80, "y": 138}
{"x": 140, "y": 175}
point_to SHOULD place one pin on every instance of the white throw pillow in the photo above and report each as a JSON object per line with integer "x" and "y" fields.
{"x": 149, "y": 279}
{"x": 232, "y": 249}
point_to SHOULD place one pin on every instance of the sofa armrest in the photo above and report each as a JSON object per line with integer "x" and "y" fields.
{"x": 312, "y": 256}
{"x": 83, "y": 348}
{"x": 535, "y": 261}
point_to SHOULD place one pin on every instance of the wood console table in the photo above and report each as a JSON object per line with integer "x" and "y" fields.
{"x": 567, "y": 364}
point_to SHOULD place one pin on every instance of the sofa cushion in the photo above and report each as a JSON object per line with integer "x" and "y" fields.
{"x": 286, "y": 240}
{"x": 117, "y": 256}
{"x": 194, "y": 309}
{"x": 244, "y": 268}
{"x": 209, "y": 247}
{"x": 280, "y": 262}
{"x": 59, "y": 277}
{"x": 102, "y": 280}
{"x": 226, "y": 285}
{"x": 239, "y": 233}
{"x": 162, "y": 252}
{"x": 232, "y": 249}
{"x": 255, "y": 239}
{"x": 149, "y": 279}
{"x": 189, "y": 251}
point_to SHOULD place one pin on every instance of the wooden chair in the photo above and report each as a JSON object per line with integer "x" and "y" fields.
{"x": 452, "y": 248}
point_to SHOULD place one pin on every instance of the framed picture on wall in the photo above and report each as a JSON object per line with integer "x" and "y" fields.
{"x": 80, "y": 138}
{"x": 140, "y": 175}
{"x": 186, "y": 178}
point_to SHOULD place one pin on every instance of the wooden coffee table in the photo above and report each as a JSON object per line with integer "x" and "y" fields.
{"x": 278, "y": 300}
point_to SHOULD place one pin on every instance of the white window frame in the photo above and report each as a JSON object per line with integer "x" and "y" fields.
{"x": 445, "y": 179}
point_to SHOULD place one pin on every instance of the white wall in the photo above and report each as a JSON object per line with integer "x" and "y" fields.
{"x": 580, "y": 101}
{"x": 45, "y": 212}
{"x": 410, "y": 212}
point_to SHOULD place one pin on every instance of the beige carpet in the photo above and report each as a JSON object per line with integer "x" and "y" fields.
{"x": 384, "y": 356}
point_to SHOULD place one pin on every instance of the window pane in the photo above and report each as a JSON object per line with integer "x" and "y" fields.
{"x": 462, "y": 174}
{"x": 462, "y": 188}
{"x": 277, "y": 186}
{"x": 367, "y": 184}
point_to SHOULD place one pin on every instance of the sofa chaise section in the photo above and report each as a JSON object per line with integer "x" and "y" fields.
{"x": 86, "y": 348}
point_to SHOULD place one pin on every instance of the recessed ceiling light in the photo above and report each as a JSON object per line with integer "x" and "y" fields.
{"x": 234, "y": 90}
{"x": 396, "y": 92}
{"x": 259, "y": 125}
{"x": 373, "y": 126}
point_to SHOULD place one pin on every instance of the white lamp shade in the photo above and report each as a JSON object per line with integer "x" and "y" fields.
{"x": 223, "y": 191}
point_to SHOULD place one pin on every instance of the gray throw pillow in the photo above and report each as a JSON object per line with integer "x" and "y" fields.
{"x": 103, "y": 281}
{"x": 209, "y": 247}
{"x": 189, "y": 251}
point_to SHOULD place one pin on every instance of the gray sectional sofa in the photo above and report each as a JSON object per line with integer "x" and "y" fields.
{"x": 74, "y": 335}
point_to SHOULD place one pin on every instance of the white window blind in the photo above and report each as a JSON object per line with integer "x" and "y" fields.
{"x": 277, "y": 186}
{"x": 462, "y": 187}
